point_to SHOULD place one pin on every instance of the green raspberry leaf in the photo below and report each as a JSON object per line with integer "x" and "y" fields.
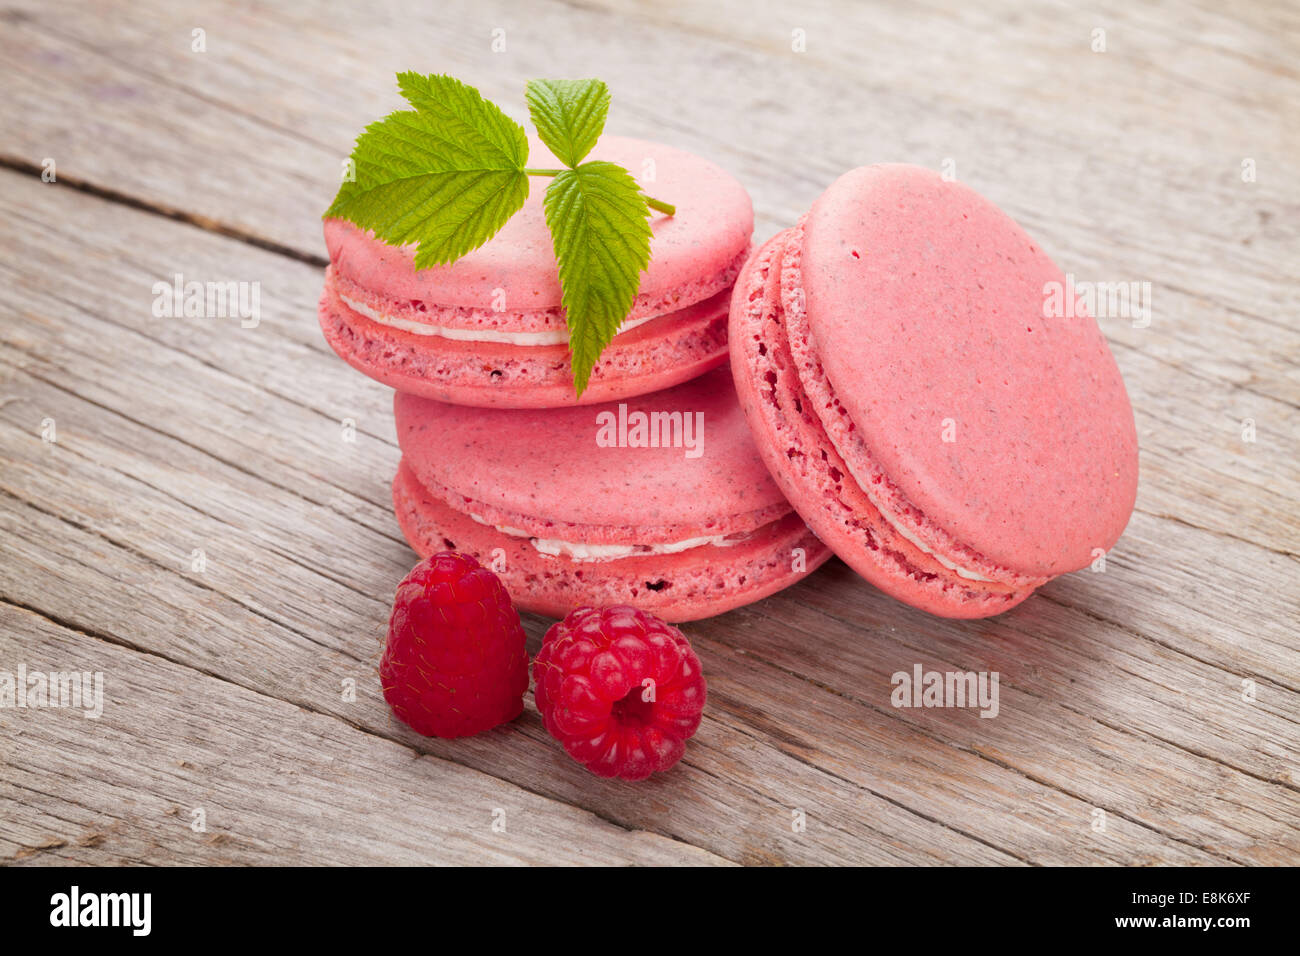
{"x": 569, "y": 115}
{"x": 599, "y": 229}
{"x": 447, "y": 175}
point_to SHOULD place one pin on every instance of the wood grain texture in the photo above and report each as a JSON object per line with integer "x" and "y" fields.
{"x": 274, "y": 783}
{"x": 1121, "y": 692}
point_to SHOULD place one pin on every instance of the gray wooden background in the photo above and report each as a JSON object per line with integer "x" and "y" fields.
{"x": 182, "y": 511}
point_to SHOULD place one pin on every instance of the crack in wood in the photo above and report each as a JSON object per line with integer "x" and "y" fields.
{"x": 25, "y": 167}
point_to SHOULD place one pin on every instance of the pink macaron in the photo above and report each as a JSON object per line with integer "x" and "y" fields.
{"x": 661, "y": 501}
{"x": 950, "y": 434}
{"x": 489, "y": 329}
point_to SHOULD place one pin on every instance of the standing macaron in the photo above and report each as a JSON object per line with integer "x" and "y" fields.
{"x": 949, "y": 431}
{"x": 489, "y": 329}
{"x": 662, "y": 501}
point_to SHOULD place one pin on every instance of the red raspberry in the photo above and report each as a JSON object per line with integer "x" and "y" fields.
{"x": 455, "y": 662}
{"x": 622, "y": 690}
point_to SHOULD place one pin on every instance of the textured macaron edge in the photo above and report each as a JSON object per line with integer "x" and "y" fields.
{"x": 666, "y": 351}
{"x": 686, "y": 586}
{"x": 809, "y": 470}
{"x": 488, "y": 318}
{"x": 839, "y": 428}
{"x": 542, "y": 527}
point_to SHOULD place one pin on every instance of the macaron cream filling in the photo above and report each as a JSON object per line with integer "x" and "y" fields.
{"x": 581, "y": 551}
{"x": 894, "y": 523}
{"x": 530, "y": 328}
{"x": 579, "y": 541}
{"x": 551, "y": 337}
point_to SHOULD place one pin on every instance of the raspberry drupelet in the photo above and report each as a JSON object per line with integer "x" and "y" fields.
{"x": 620, "y": 689}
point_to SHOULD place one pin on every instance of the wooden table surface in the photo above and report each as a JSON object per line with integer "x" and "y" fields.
{"x": 201, "y": 531}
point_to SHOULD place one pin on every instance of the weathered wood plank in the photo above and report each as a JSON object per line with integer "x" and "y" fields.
{"x": 733, "y": 791}
{"x": 274, "y": 783}
{"x": 1132, "y": 736}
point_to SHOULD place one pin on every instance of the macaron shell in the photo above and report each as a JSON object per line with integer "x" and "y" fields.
{"x": 504, "y": 314}
{"x": 552, "y": 529}
{"x": 551, "y": 463}
{"x": 678, "y": 587}
{"x": 710, "y": 230}
{"x": 926, "y": 308}
{"x": 843, "y": 434}
{"x": 659, "y": 354}
{"x": 811, "y": 473}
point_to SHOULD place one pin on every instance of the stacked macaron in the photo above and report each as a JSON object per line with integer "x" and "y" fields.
{"x": 660, "y": 501}
{"x": 646, "y": 490}
{"x": 489, "y": 330}
{"x": 946, "y": 432}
